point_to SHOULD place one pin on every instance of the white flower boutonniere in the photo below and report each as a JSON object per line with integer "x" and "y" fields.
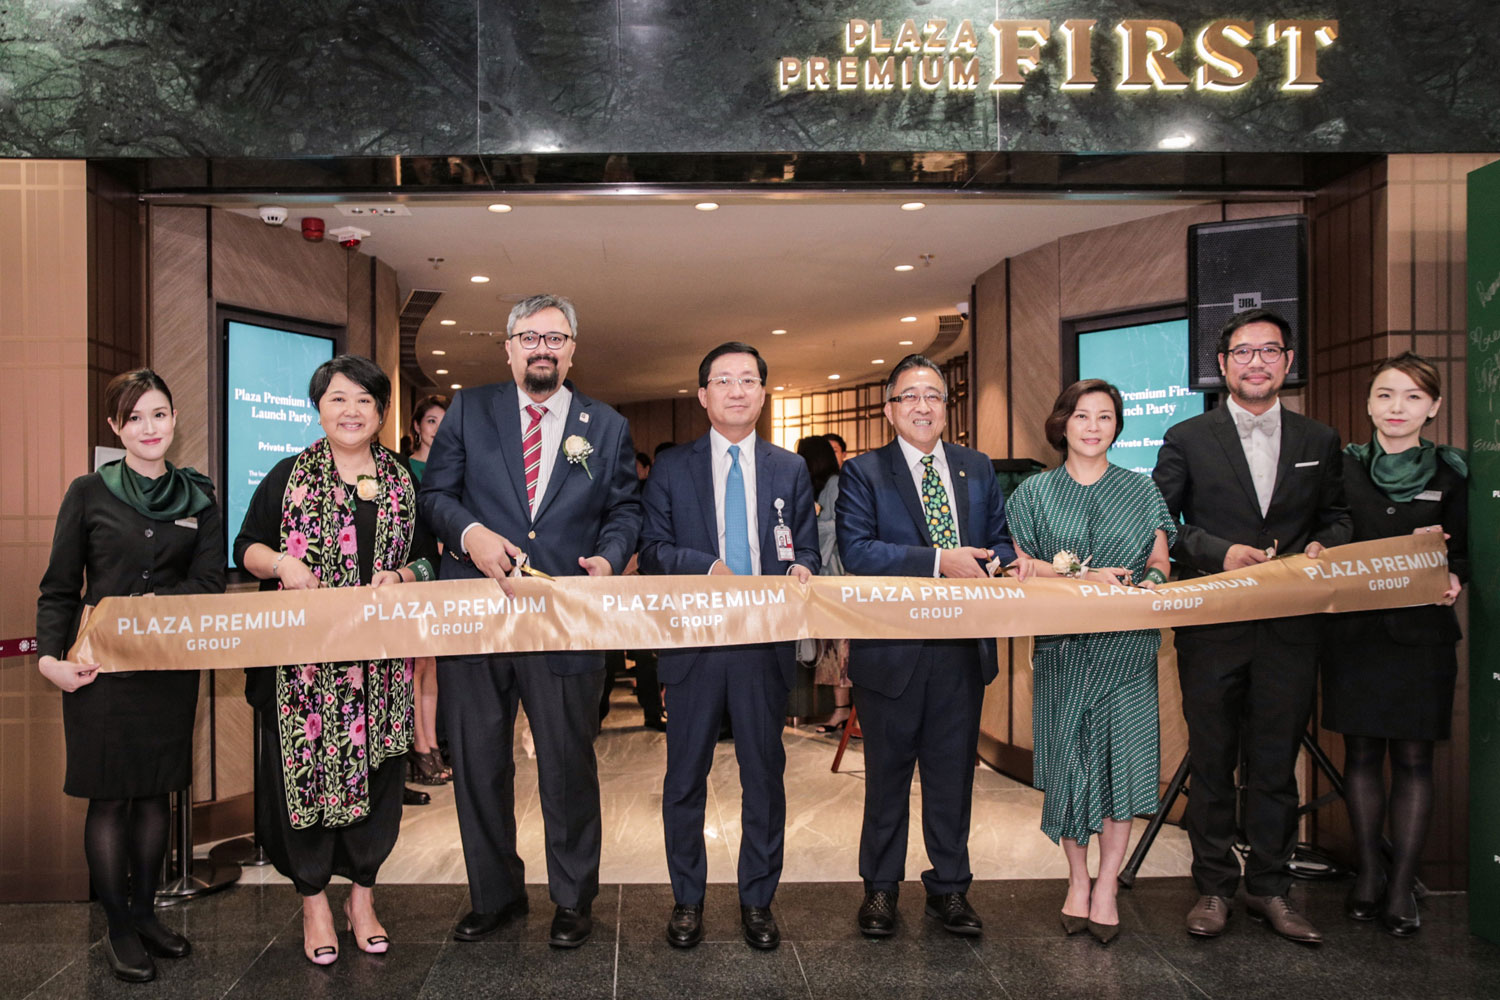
{"x": 1066, "y": 564}
{"x": 367, "y": 487}
{"x": 577, "y": 450}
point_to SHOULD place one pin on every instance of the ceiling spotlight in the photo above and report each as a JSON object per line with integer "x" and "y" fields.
{"x": 903, "y": 343}
{"x": 706, "y": 206}
{"x": 447, "y": 322}
{"x": 682, "y": 391}
{"x": 833, "y": 378}
{"x": 441, "y": 371}
{"x": 436, "y": 262}
{"x": 479, "y": 279}
{"x": 908, "y": 319}
{"x": 1179, "y": 141}
{"x": 439, "y": 353}
{"x": 877, "y": 361}
{"x": 456, "y": 385}
{"x": 499, "y": 209}
{"x": 779, "y": 388}
{"x": 903, "y": 267}
{"x": 777, "y": 333}
{"x": 914, "y": 206}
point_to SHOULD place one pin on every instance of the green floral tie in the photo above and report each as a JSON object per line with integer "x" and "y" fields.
{"x": 935, "y": 506}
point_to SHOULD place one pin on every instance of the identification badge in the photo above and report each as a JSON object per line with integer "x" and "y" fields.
{"x": 187, "y": 522}
{"x": 1433, "y": 495}
{"x": 783, "y": 535}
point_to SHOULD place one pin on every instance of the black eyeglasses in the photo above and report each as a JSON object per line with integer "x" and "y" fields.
{"x": 530, "y": 339}
{"x": 1270, "y": 354}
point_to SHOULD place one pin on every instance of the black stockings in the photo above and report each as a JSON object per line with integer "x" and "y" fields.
{"x": 125, "y": 841}
{"x": 1410, "y": 805}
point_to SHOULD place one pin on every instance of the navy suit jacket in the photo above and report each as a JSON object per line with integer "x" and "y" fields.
{"x": 475, "y": 474}
{"x": 681, "y": 530}
{"x": 882, "y": 531}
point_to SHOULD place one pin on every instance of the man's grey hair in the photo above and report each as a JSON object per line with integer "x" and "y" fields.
{"x": 909, "y": 362}
{"x": 533, "y": 304}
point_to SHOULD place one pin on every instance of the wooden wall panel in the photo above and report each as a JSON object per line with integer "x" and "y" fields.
{"x": 385, "y": 327}
{"x": 1128, "y": 266}
{"x": 991, "y": 362}
{"x": 273, "y": 269}
{"x": 44, "y": 408}
{"x": 1035, "y": 375}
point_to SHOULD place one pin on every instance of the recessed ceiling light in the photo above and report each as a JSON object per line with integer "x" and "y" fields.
{"x": 914, "y": 206}
{"x": 682, "y": 390}
{"x": 447, "y": 322}
{"x": 877, "y": 361}
{"x": 904, "y": 267}
{"x": 499, "y": 208}
{"x": 903, "y": 343}
{"x": 439, "y": 353}
{"x": 479, "y": 279}
{"x": 706, "y": 206}
{"x": 908, "y": 319}
{"x": 456, "y": 385}
{"x": 778, "y": 388}
{"x": 441, "y": 371}
{"x": 777, "y": 333}
{"x": 833, "y": 378}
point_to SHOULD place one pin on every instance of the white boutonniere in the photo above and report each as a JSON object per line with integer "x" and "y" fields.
{"x": 1066, "y": 564}
{"x": 577, "y": 450}
{"x": 366, "y": 487}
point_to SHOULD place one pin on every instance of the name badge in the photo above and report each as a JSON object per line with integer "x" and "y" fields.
{"x": 1429, "y": 495}
{"x": 783, "y": 535}
{"x": 187, "y": 522}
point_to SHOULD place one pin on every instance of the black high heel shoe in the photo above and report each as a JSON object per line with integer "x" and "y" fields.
{"x": 1401, "y": 925}
{"x": 160, "y": 940}
{"x": 1360, "y": 909}
{"x": 128, "y": 960}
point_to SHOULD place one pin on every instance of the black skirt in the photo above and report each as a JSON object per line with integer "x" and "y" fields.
{"x": 130, "y": 735}
{"x": 1378, "y": 688}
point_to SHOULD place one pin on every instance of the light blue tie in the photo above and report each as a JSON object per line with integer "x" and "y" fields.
{"x": 736, "y": 522}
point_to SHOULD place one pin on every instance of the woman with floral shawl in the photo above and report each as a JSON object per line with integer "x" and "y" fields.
{"x": 341, "y": 513}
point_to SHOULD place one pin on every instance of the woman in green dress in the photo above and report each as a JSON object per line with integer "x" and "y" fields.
{"x": 1094, "y": 714}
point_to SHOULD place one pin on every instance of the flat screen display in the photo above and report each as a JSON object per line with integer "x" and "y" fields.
{"x": 1148, "y": 363}
{"x": 267, "y": 415}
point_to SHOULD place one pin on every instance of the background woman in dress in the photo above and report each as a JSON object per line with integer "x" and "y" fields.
{"x": 428, "y": 763}
{"x": 139, "y": 525}
{"x": 342, "y": 513}
{"x": 1388, "y": 675}
{"x": 831, "y": 666}
{"x": 1094, "y": 703}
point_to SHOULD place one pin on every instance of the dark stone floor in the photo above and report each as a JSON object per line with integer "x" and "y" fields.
{"x": 247, "y": 943}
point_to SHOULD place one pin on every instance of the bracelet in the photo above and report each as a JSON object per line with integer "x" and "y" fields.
{"x": 275, "y": 565}
{"x": 421, "y": 570}
{"x": 1154, "y": 575}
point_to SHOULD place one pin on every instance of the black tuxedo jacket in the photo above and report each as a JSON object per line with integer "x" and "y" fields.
{"x": 1202, "y": 473}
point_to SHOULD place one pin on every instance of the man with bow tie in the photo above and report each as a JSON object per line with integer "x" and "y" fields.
{"x": 1250, "y": 479}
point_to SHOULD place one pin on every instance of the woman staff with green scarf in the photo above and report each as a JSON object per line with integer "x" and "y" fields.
{"x": 1388, "y": 675}
{"x": 137, "y": 526}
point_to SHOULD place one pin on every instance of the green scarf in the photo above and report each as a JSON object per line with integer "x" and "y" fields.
{"x": 177, "y": 494}
{"x": 1406, "y": 473}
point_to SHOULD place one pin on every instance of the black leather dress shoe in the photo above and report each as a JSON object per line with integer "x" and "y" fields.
{"x": 476, "y": 925}
{"x": 877, "y": 915}
{"x": 160, "y": 940}
{"x": 570, "y": 927}
{"x": 958, "y": 917}
{"x": 685, "y": 929}
{"x": 128, "y": 960}
{"x": 760, "y": 927}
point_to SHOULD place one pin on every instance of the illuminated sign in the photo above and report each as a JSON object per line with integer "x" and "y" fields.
{"x": 935, "y": 54}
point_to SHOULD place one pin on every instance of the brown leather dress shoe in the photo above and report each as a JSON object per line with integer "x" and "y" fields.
{"x": 1277, "y": 911}
{"x": 1208, "y": 916}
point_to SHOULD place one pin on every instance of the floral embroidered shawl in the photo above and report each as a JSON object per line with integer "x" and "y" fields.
{"x": 340, "y": 721}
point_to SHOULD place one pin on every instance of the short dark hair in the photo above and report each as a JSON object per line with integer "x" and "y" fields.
{"x": 126, "y": 389}
{"x": 835, "y": 439}
{"x": 426, "y": 403}
{"x": 732, "y": 347}
{"x": 1414, "y": 367}
{"x": 361, "y": 371}
{"x": 1243, "y": 319}
{"x": 906, "y": 364}
{"x": 641, "y": 458}
{"x": 661, "y": 447}
{"x": 1056, "y": 427}
{"x": 822, "y": 463}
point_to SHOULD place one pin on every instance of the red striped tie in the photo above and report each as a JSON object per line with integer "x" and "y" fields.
{"x": 531, "y": 450}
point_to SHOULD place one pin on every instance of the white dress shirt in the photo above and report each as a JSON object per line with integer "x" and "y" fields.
{"x": 1260, "y": 436}
{"x": 918, "y": 471}
{"x": 553, "y": 422}
{"x": 718, "y": 445}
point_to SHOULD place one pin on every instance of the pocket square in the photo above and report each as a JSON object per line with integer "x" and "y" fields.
{"x": 1306, "y": 465}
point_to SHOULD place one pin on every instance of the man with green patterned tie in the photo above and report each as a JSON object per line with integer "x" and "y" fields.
{"x": 919, "y": 507}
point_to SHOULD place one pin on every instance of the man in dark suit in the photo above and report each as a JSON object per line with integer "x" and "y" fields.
{"x": 1250, "y": 479}
{"x": 728, "y": 504}
{"x": 505, "y": 476}
{"x": 919, "y": 507}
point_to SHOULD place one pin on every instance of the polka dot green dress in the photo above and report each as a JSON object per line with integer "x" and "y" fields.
{"x": 1094, "y": 715}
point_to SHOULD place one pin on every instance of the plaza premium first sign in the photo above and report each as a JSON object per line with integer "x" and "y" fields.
{"x": 934, "y": 54}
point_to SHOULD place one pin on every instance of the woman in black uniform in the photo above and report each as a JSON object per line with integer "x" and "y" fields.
{"x": 1388, "y": 675}
{"x": 137, "y": 526}
{"x": 341, "y": 513}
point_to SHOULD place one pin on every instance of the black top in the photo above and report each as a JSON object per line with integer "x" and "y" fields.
{"x": 104, "y": 543}
{"x": 1378, "y": 516}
